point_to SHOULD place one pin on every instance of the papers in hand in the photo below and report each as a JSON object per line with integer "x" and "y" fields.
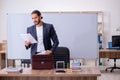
{"x": 28, "y": 37}
{"x": 41, "y": 53}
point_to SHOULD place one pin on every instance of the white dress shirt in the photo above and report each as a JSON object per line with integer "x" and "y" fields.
{"x": 40, "y": 45}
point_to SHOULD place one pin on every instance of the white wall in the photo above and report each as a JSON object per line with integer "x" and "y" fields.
{"x": 110, "y": 8}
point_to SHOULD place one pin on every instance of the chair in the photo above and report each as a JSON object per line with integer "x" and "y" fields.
{"x": 114, "y": 67}
{"x": 62, "y": 54}
{"x": 25, "y": 61}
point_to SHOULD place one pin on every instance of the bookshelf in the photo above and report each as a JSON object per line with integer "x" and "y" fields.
{"x": 100, "y": 30}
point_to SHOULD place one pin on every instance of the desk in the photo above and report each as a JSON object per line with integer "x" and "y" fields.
{"x": 2, "y": 59}
{"x": 28, "y": 74}
{"x": 109, "y": 53}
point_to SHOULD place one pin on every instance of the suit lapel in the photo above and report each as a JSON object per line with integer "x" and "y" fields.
{"x": 34, "y": 31}
{"x": 44, "y": 30}
{"x": 44, "y": 34}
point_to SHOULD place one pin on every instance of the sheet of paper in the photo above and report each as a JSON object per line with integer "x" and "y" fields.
{"x": 28, "y": 37}
{"x": 41, "y": 53}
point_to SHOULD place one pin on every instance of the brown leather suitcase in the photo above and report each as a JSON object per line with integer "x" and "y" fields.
{"x": 42, "y": 62}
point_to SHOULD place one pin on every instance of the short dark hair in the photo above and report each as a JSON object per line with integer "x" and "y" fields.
{"x": 36, "y": 12}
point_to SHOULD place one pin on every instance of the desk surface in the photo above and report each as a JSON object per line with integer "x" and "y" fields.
{"x": 92, "y": 71}
{"x": 109, "y": 50}
{"x": 109, "y": 53}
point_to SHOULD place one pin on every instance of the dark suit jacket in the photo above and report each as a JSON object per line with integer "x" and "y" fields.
{"x": 49, "y": 34}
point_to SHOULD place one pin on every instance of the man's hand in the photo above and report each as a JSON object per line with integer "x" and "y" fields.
{"x": 48, "y": 52}
{"x": 27, "y": 43}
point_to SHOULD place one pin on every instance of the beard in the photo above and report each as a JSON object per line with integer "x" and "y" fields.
{"x": 37, "y": 22}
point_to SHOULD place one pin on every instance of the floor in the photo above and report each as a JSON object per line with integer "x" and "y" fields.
{"x": 110, "y": 76}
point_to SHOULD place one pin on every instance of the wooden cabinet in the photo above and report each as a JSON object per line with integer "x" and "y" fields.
{"x": 2, "y": 59}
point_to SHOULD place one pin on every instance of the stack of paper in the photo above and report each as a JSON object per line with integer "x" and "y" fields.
{"x": 14, "y": 70}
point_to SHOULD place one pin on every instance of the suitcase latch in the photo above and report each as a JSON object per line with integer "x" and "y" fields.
{"x": 42, "y": 62}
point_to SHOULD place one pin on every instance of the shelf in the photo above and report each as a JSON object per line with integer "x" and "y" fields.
{"x": 100, "y": 29}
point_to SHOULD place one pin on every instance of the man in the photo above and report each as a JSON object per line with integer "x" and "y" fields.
{"x": 43, "y": 33}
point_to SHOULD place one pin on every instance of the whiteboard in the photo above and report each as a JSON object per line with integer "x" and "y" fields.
{"x": 77, "y": 31}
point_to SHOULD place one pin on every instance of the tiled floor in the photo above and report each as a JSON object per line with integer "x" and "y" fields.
{"x": 110, "y": 76}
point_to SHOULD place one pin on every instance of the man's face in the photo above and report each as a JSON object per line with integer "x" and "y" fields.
{"x": 36, "y": 19}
